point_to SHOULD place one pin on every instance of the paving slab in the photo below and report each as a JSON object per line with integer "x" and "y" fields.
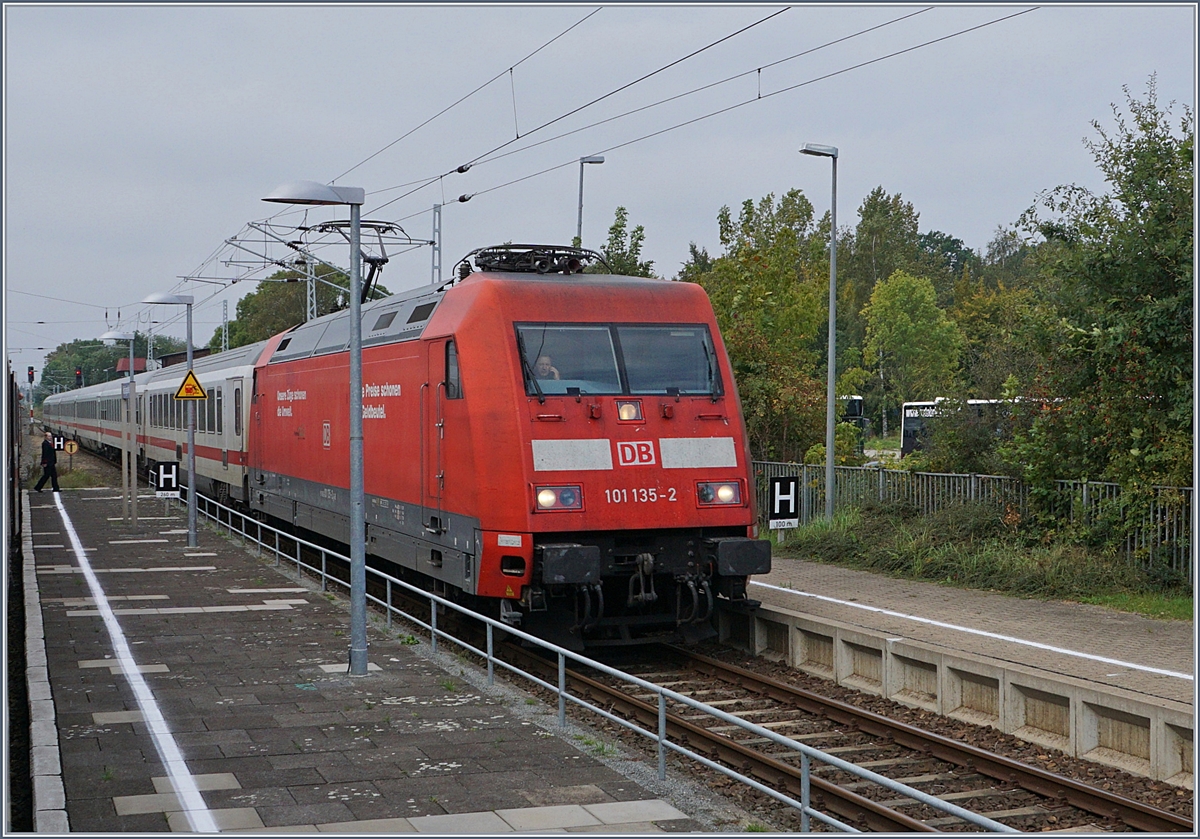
{"x": 245, "y": 666}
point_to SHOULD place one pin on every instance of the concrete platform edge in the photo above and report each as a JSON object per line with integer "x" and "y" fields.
{"x": 49, "y": 795}
{"x": 1144, "y": 736}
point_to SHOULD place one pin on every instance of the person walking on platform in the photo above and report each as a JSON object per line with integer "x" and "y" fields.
{"x": 49, "y": 464}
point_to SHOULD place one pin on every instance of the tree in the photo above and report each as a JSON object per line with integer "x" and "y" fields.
{"x": 993, "y": 324}
{"x": 281, "y": 302}
{"x": 945, "y": 260}
{"x": 699, "y": 263}
{"x": 1117, "y": 308}
{"x": 623, "y": 253}
{"x": 97, "y": 361}
{"x": 1008, "y": 260}
{"x": 912, "y": 344}
{"x": 884, "y": 241}
{"x": 771, "y": 312}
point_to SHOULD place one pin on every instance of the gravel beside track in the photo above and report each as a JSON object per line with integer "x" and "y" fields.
{"x": 1155, "y": 793}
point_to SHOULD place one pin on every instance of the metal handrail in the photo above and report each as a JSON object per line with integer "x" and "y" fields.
{"x": 1166, "y": 526}
{"x": 664, "y": 745}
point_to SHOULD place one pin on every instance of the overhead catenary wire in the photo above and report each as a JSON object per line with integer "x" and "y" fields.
{"x": 464, "y": 167}
{"x": 750, "y": 101}
{"x": 418, "y": 185}
{"x": 703, "y": 88}
{"x": 630, "y": 84}
{"x": 464, "y": 98}
{"x": 421, "y": 184}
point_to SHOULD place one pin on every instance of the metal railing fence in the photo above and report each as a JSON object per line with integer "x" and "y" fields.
{"x": 1150, "y": 526}
{"x": 269, "y": 538}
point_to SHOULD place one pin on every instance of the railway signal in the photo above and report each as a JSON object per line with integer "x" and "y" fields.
{"x": 31, "y": 374}
{"x": 78, "y": 377}
{"x": 70, "y": 447}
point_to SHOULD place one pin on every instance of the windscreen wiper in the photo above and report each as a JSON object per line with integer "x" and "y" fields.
{"x": 529, "y": 370}
{"x": 712, "y": 378}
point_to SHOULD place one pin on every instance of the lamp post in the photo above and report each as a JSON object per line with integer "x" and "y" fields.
{"x": 579, "y": 227}
{"x": 830, "y": 397}
{"x": 186, "y": 300}
{"x": 313, "y": 193}
{"x": 128, "y": 446}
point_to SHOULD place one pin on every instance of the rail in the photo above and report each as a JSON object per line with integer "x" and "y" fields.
{"x": 267, "y": 537}
{"x": 1156, "y": 529}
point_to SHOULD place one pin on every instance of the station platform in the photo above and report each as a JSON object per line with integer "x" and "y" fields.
{"x": 201, "y": 690}
{"x": 1093, "y": 682}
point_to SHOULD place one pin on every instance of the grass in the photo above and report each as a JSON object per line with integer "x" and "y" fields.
{"x": 1151, "y": 605}
{"x": 75, "y": 479}
{"x": 889, "y": 443}
{"x": 597, "y": 747}
{"x": 971, "y": 546}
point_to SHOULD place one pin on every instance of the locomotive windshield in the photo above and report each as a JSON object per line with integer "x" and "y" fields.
{"x": 631, "y": 359}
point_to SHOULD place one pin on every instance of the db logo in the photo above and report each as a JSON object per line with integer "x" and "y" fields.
{"x": 635, "y": 454}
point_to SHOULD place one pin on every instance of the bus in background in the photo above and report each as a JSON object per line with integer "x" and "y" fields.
{"x": 915, "y": 417}
{"x": 914, "y": 427}
{"x": 851, "y": 411}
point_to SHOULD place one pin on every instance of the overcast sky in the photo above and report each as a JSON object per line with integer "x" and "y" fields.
{"x": 138, "y": 139}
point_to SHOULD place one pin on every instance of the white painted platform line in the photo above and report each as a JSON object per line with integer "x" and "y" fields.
{"x": 929, "y": 621}
{"x": 198, "y": 814}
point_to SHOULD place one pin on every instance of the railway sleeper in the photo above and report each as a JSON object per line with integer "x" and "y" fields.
{"x": 1014, "y": 813}
{"x": 961, "y": 795}
{"x": 912, "y": 780}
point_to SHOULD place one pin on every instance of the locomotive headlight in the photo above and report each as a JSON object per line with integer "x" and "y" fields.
{"x": 558, "y": 498}
{"x": 718, "y": 492}
{"x": 629, "y": 411}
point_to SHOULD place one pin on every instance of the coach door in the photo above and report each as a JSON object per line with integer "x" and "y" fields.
{"x": 433, "y": 475}
{"x": 231, "y": 423}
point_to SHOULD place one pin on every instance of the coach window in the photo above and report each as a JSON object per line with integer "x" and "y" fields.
{"x": 237, "y": 412}
{"x": 220, "y": 412}
{"x": 453, "y": 382}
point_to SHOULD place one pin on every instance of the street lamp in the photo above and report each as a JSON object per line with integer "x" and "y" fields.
{"x": 579, "y": 227}
{"x": 311, "y": 192}
{"x": 186, "y": 300}
{"x": 830, "y": 398}
{"x": 128, "y": 447}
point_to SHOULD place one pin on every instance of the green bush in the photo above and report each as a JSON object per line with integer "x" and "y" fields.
{"x": 973, "y": 546}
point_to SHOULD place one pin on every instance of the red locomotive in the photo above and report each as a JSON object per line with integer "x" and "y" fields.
{"x": 564, "y": 448}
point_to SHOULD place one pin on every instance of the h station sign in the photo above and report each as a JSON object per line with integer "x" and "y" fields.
{"x": 783, "y": 509}
{"x": 166, "y": 480}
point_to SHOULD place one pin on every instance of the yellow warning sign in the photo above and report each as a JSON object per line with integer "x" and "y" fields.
{"x": 190, "y": 389}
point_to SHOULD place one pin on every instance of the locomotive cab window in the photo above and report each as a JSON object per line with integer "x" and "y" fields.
{"x": 453, "y": 379}
{"x": 669, "y": 360}
{"x": 618, "y": 359}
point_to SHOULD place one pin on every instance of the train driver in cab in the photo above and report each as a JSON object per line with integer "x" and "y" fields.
{"x": 544, "y": 368}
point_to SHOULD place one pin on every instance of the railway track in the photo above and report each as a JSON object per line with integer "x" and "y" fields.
{"x": 1015, "y": 794}
{"x": 1020, "y": 796}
